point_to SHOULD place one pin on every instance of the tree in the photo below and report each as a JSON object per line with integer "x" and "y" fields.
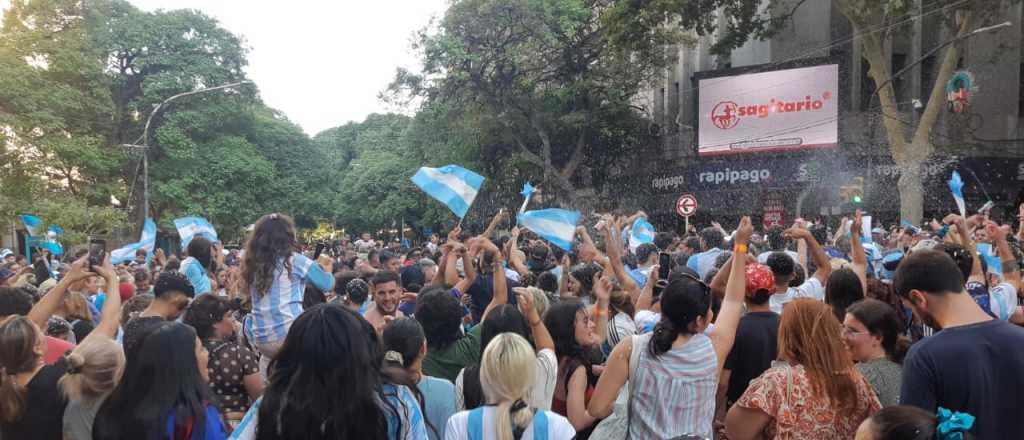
{"x": 552, "y": 73}
{"x": 910, "y": 144}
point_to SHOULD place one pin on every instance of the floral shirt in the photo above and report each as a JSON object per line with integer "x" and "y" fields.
{"x": 803, "y": 415}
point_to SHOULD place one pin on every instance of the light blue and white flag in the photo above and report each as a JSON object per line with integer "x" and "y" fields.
{"x": 988, "y": 253}
{"x": 452, "y": 185}
{"x": 52, "y": 242}
{"x": 190, "y": 227}
{"x": 642, "y": 232}
{"x": 146, "y": 242}
{"x": 527, "y": 193}
{"x": 557, "y": 226}
{"x": 33, "y": 224}
{"x": 956, "y": 185}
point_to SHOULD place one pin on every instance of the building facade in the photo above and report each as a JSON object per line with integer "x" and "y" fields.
{"x": 983, "y": 142}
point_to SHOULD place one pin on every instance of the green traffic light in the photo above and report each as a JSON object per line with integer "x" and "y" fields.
{"x": 856, "y": 199}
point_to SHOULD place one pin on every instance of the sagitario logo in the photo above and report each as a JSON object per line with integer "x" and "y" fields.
{"x": 727, "y": 114}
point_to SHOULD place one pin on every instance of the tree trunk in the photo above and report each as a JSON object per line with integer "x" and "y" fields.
{"x": 909, "y": 155}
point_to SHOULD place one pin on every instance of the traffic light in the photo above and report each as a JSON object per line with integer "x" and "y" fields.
{"x": 852, "y": 194}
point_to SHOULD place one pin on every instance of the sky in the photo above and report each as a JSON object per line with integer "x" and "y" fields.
{"x": 321, "y": 62}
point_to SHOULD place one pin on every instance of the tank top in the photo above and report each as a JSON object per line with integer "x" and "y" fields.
{"x": 674, "y": 393}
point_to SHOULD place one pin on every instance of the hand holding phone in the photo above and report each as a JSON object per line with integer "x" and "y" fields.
{"x": 97, "y": 253}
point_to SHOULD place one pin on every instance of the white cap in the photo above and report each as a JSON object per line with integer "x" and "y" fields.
{"x": 5, "y": 252}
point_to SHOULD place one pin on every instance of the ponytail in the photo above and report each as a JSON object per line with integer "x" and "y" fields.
{"x": 93, "y": 369}
{"x": 663, "y": 337}
{"x": 511, "y": 419}
{"x": 899, "y": 349}
{"x": 12, "y": 397}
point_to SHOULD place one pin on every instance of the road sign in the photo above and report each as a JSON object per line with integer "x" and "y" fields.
{"x": 686, "y": 205}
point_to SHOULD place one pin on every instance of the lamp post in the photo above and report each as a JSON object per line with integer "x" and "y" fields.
{"x": 145, "y": 138}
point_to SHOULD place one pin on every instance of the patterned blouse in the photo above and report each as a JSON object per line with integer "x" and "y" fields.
{"x": 804, "y": 415}
{"x": 229, "y": 364}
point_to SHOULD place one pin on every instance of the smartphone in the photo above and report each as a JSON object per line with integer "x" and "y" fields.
{"x": 97, "y": 252}
{"x": 664, "y": 265}
{"x": 986, "y": 207}
{"x": 319, "y": 250}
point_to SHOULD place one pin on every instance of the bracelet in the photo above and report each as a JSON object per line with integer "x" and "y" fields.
{"x": 740, "y": 248}
{"x": 598, "y": 311}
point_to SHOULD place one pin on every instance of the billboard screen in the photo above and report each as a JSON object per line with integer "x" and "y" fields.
{"x": 769, "y": 111}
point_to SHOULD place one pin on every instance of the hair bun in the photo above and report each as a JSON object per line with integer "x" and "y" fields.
{"x": 75, "y": 362}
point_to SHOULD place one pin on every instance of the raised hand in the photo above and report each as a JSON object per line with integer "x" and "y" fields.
{"x": 602, "y": 288}
{"x": 744, "y": 230}
{"x": 858, "y": 223}
{"x": 453, "y": 236}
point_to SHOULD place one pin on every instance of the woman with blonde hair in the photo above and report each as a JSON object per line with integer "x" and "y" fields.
{"x": 75, "y": 310}
{"x": 815, "y": 393}
{"x": 507, "y": 373}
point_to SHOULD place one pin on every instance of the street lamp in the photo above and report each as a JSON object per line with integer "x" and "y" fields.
{"x": 145, "y": 138}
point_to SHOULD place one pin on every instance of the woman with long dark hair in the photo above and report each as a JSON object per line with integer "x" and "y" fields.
{"x": 328, "y": 382}
{"x": 581, "y": 280}
{"x": 233, "y": 370}
{"x": 202, "y": 256}
{"x": 576, "y": 341}
{"x": 677, "y": 358}
{"x": 814, "y": 393}
{"x": 163, "y": 392}
{"x": 871, "y": 331}
{"x": 31, "y": 403}
{"x": 275, "y": 275}
{"x": 406, "y": 346}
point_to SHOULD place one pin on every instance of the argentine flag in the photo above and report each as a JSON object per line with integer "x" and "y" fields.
{"x": 146, "y": 242}
{"x": 190, "y": 227}
{"x": 557, "y": 226}
{"x": 642, "y": 232}
{"x": 52, "y": 242}
{"x": 33, "y": 224}
{"x": 452, "y": 185}
{"x": 956, "y": 185}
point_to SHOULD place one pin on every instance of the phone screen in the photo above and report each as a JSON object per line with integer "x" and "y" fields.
{"x": 97, "y": 252}
{"x": 319, "y": 250}
{"x": 664, "y": 265}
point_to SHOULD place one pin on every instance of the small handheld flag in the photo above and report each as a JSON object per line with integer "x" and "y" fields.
{"x": 642, "y": 232}
{"x": 527, "y": 193}
{"x": 987, "y": 253}
{"x": 956, "y": 186}
{"x": 190, "y": 227}
{"x": 33, "y": 224}
{"x": 52, "y": 243}
{"x": 557, "y": 226}
{"x": 452, "y": 185}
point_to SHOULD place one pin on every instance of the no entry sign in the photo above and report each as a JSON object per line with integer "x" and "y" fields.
{"x": 686, "y": 205}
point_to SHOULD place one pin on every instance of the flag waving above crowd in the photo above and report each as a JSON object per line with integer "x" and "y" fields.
{"x": 452, "y": 185}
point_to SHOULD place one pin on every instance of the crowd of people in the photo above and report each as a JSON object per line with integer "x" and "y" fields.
{"x": 814, "y": 331}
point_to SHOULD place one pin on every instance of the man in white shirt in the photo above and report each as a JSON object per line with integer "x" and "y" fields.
{"x": 784, "y": 267}
{"x": 364, "y": 243}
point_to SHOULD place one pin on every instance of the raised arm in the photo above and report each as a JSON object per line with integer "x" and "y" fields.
{"x": 468, "y": 258}
{"x": 516, "y": 258}
{"x": 49, "y": 303}
{"x": 500, "y": 295}
{"x": 1011, "y": 272}
{"x": 541, "y": 337}
{"x": 965, "y": 240}
{"x": 442, "y": 268}
{"x": 724, "y": 333}
{"x": 819, "y": 255}
{"x": 110, "y": 316}
{"x": 498, "y": 218}
{"x": 860, "y": 259}
{"x": 451, "y": 274}
{"x": 721, "y": 279}
{"x": 613, "y": 245}
{"x": 603, "y": 293}
{"x": 646, "y": 299}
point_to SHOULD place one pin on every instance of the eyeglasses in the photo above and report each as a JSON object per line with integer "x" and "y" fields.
{"x": 850, "y": 332}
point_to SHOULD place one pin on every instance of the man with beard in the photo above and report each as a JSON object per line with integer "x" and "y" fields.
{"x": 387, "y": 293}
{"x": 973, "y": 365}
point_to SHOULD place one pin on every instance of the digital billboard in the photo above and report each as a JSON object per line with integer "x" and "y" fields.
{"x": 780, "y": 110}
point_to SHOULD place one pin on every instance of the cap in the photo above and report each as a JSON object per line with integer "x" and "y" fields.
{"x": 759, "y": 277}
{"x": 5, "y": 252}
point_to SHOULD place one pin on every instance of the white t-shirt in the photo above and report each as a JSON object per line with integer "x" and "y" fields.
{"x": 543, "y": 386}
{"x": 364, "y": 245}
{"x": 811, "y": 288}
{"x": 622, "y": 327}
{"x": 1003, "y": 300}
{"x": 559, "y": 427}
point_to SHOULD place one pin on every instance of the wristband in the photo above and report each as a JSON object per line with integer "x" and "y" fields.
{"x": 740, "y": 249}
{"x": 598, "y": 311}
